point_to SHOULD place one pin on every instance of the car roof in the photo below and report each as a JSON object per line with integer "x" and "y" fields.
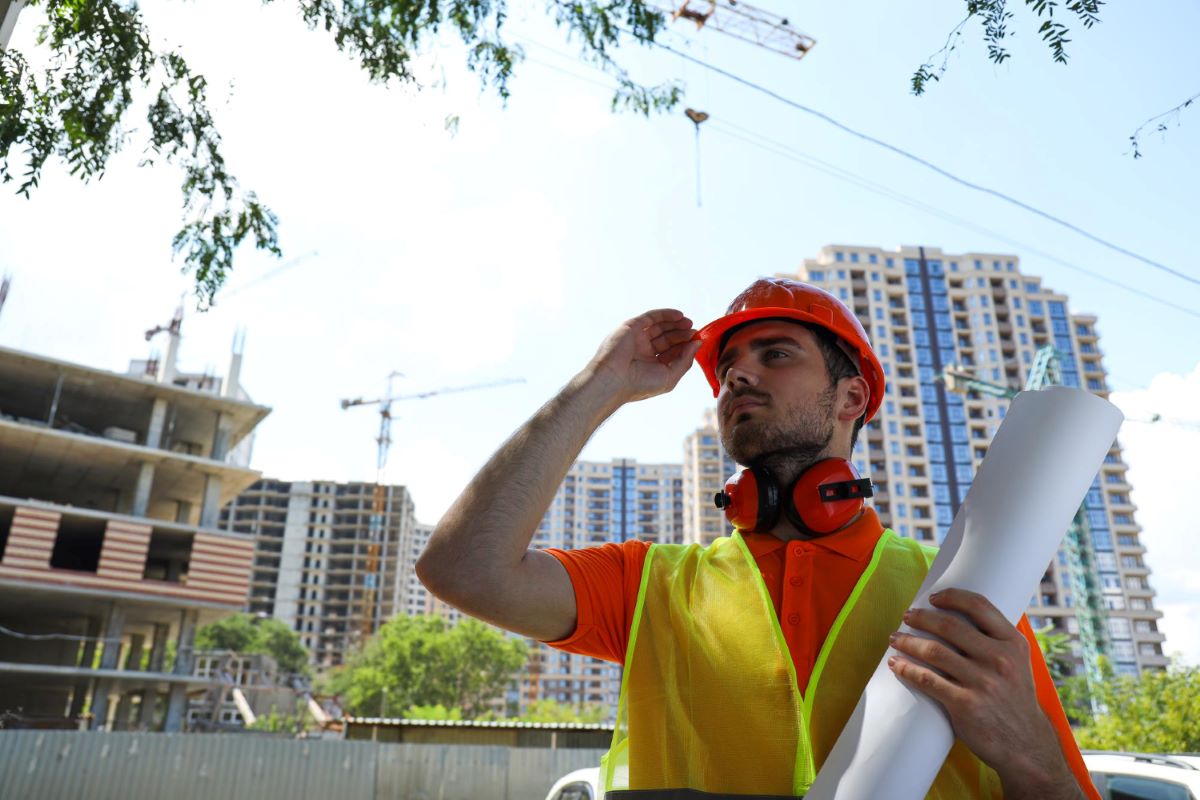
{"x": 1183, "y": 769}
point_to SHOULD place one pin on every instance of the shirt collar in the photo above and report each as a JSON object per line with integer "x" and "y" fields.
{"x": 856, "y": 542}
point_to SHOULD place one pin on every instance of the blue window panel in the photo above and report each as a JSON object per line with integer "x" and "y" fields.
{"x": 1097, "y": 520}
{"x": 916, "y": 302}
{"x": 1057, "y": 309}
{"x": 1031, "y": 287}
{"x": 938, "y": 471}
{"x": 881, "y": 331}
{"x": 1023, "y": 337}
{"x": 934, "y": 434}
{"x": 935, "y": 268}
{"x": 954, "y": 266}
{"x": 958, "y": 434}
{"x": 963, "y": 488}
{"x": 890, "y": 262}
{"x": 932, "y": 414}
{"x": 928, "y": 393}
{"x": 983, "y": 301}
{"x": 963, "y": 473}
{"x": 1102, "y": 540}
{"x": 1016, "y": 301}
{"x": 937, "y": 453}
{"x": 945, "y": 340}
{"x": 892, "y": 426}
{"x": 942, "y": 321}
{"x": 956, "y": 414}
{"x": 897, "y": 468}
{"x": 872, "y": 258}
{"x": 877, "y": 295}
{"x": 1071, "y": 380}
{"x": 962, "y": 453}
{"x": 891, "y": 407}
{"x": 914, "y": 284}
{"x": 987, "y": 318}
{"x": 912, "y": 266}
{"x": 879, "y": 312}
{"x": 816, "y": 275}
{"x": 940, "y": 303}
{"x": 1060, "y": 326}
{"x": 944, "y": 515}
{"x": 839, "y": 256}
{"x": 1036, "y": 308}
{"x": 954, "y": 400}
{"x": 844, "y": 293}
{"x": 941, "y": 493}
{"x": 854, "y": 258}
{"x": 1095, "y": 498}
{"x": 924, "y": 357}
{"x": 925, "y": 374}
{"x": 918, "y": 321}
{"x": 841, "y": 273}
{"x": 938, "y": 287}
{"x": 921, "y": 338}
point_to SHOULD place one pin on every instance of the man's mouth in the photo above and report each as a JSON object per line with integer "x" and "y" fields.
{"x": 742, "y": 404}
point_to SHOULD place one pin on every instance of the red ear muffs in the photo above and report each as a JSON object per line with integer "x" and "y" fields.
{"x": 825, "y": 497}
{"x": 751, "y": 500}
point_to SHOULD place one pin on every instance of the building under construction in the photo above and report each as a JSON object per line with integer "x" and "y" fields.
{"x": 312, "y": 562}
{"x": 110, "y": 491}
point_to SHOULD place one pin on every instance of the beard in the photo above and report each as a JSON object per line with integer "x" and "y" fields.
{"x": 786, "y": 446}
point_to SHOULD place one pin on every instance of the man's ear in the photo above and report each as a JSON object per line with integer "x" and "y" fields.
{"x": 853, "y": 397}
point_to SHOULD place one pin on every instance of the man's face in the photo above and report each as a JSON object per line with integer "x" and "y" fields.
{"x": 775, "y": 393}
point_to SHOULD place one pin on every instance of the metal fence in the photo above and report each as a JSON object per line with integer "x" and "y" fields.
{"x": 62, "y": 765}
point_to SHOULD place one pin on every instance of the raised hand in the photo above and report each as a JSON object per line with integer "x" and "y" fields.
{"x": 647, "y": 355}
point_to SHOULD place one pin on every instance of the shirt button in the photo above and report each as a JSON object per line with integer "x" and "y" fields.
{"x": 795, "y": 580}
{"x": 793, "y": 619}
{"x": 797, "y": 549}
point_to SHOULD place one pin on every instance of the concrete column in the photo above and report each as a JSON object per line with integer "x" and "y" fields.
{"x": 184, "y": 656}
{"x": 158, "y": 420}
{"x": 141, "y": 493}
{"x": 221, "y": 437}
{"x": 88, "y": 654}
{"x": 109, "y": 659}
{"x": 158, "y": 647}
{"x": 210, "y": 507}
{"x": 146, "y": 711}
{"x": 137, "y": 646}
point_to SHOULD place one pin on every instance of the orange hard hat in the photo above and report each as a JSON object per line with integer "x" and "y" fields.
{"x": 779, "y": 298}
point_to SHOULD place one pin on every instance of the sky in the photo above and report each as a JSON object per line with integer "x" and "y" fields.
{"x": 511, "y": 247}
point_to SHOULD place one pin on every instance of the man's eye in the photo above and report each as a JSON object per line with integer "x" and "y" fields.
{"x": 770, "y": 355}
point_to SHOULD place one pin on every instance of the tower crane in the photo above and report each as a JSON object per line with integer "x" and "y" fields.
{"x": 381, "y": 499}
{"x": 744, "y": 21}
{"x": 1081, "y": 558}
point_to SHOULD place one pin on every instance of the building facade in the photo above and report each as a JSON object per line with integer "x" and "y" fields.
{"x": 110, "y": 488}
{"x": 311, "y": 561}
{"x": 600, "y": 503}
{"x": 927, "y": 311}
{"x": 706, "y": 467}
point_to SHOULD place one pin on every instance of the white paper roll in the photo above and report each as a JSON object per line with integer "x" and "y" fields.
{"x": 1035, "y": 475}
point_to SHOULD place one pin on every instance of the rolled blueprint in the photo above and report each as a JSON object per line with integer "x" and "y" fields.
{"x": 1035, "y": 475}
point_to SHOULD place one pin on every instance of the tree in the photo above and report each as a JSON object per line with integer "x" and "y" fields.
{"x": 553, "y": 711}
{"x": 424, "y": 661}
{"x": 994, "y": 17}
{"x": 244, "y": 633}
{"x": 79, "y": 109}
{"x": 1158, "y": 712}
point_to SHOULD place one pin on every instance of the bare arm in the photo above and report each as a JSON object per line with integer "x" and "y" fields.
{"x": 478, "y": 558}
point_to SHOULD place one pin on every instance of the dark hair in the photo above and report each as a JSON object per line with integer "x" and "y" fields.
{"x": 837, "y": 365}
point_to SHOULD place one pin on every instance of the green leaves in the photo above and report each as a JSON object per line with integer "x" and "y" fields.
{"x": 244, "y": 633}
{"x": 994, "y": 16}
{"x": 425, "y": 662}
{"x": 1156, "y": 713}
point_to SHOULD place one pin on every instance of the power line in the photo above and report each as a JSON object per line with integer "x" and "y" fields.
{"x": 927, "y": 164}
{"x": 785, "y": 151}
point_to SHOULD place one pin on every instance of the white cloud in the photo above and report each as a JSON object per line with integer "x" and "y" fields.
{"x": 1164, "y": 472}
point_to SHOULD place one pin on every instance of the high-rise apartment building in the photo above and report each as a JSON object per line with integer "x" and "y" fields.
{"x": 110, "y": 486}
{"x": 926, "y": 310}
{"x": 600, "y": 503}
{"x": 706, "y": 467}
{"x": 311, "y": 561}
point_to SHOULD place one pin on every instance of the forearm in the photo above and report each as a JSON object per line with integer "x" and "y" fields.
{"x": 486, "y": 532}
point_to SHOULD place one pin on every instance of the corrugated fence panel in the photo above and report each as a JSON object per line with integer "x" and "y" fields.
{"x": 54, "y": 765}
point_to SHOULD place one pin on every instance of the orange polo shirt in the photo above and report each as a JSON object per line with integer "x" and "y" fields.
{"x": 809, "y": 582}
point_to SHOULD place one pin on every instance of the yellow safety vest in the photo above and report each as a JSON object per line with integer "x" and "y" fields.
{"x": 709, "y": 700}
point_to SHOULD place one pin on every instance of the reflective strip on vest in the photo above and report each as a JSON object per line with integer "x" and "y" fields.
{"x": 709, "y": 698}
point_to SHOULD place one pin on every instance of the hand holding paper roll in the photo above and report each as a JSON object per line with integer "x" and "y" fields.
{"x": 1038, "y": 469}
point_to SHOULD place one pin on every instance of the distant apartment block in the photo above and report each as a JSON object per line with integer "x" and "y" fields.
{"x": 311, "y": 562}
{"x": 926, "y": 310}
{"x": 706, "y": 467}
{"x": 598, "y": 503}
{"x": 110, "y": 488}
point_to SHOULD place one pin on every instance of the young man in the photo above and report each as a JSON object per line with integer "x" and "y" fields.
{"x": 744, "y": 660}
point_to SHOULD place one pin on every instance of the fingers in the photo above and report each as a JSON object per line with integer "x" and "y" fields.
{"x": 936, "y": 654}
{"x": 987, "y": 617}
{"x": 660, "y": 316}
{"x": 925, "y": 680}
{"x": 951, "y": 628}
{"x": 679, "y": 357}
{"x": 665, "y": 341}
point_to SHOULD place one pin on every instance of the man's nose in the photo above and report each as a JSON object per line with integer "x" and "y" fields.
{"x": 737, "y": 375}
